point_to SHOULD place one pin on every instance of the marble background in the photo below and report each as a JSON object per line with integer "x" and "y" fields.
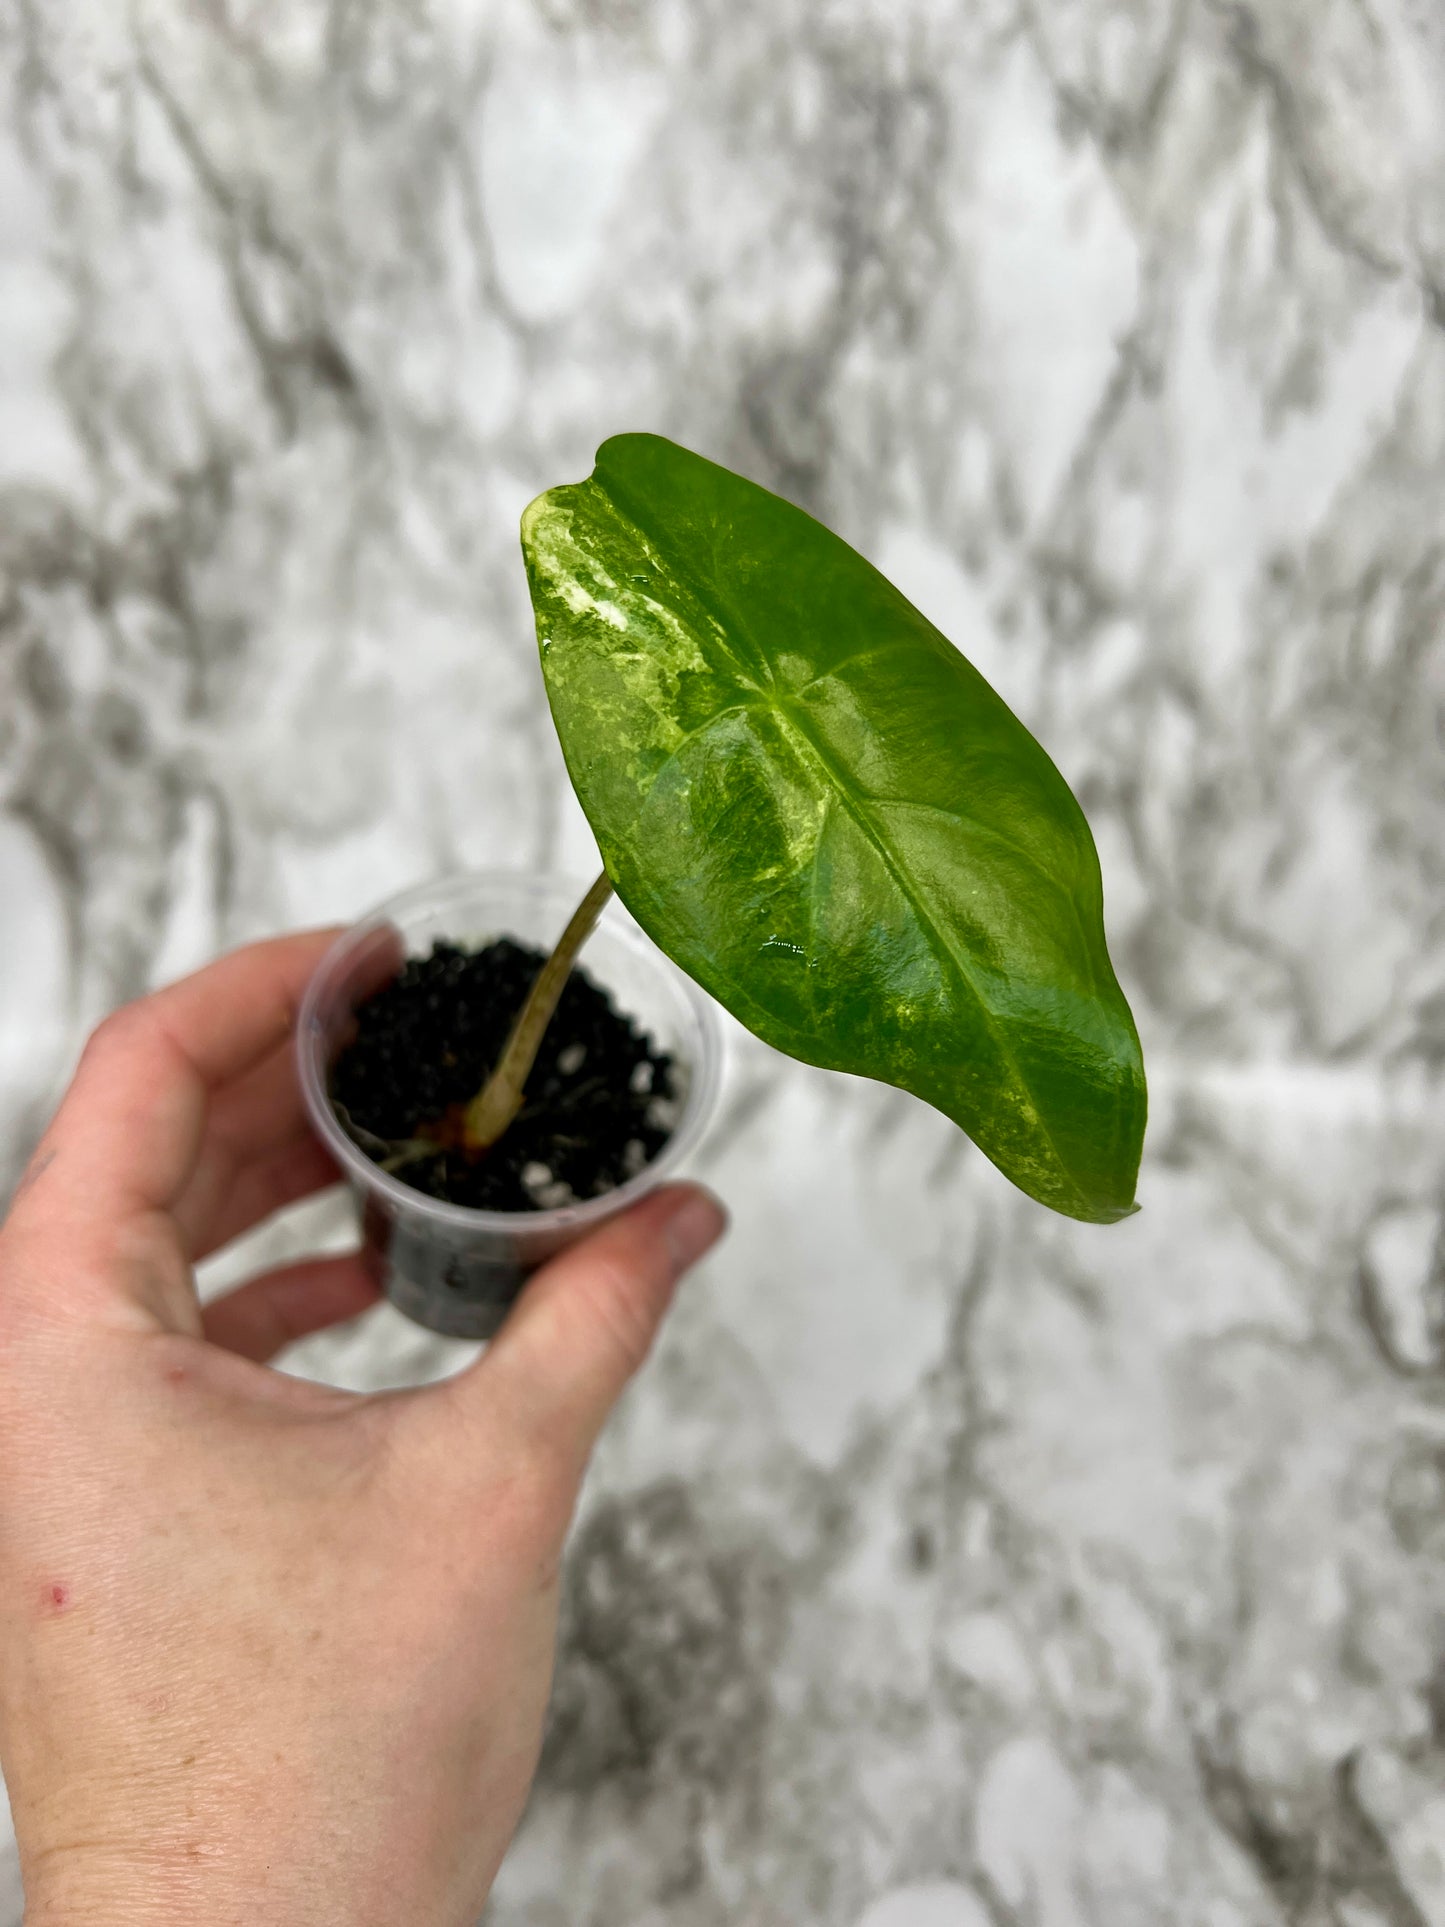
{"x": 953, "y": 1565}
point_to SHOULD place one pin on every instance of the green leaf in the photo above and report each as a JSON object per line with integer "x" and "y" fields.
{"x": 824, "y": 814}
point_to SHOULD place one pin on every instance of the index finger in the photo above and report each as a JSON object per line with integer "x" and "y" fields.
{"x": 226, "y": 1018}
{"x": 128, "y": 1131}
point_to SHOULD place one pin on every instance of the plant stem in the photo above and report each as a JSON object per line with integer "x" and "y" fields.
{"x": 500, "y": 1099}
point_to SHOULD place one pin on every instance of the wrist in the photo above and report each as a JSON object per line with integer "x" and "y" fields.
{"x": 85, "y": 1890}
{"x": 141, "y": 1847}
{"x": 131, "y": 1899}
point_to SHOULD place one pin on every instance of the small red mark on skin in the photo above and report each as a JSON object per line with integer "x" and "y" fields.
{"x": 176, "y": 1374}
{"x": 59, "y": 1597}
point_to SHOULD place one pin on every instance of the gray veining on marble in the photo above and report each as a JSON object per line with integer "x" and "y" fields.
{"x": 953, "y": 1566}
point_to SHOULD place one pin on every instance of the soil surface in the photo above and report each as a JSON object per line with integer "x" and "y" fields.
{"x": 601, "y": 1101}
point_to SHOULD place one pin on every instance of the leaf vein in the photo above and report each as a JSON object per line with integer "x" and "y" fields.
{"x": 682, "y": 742}
{"x": 939, "y": 937}
{"x": 1009, "y": 843}
{"x": 888, "y": 645}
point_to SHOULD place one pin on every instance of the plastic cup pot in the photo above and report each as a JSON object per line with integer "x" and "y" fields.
{"x": 450, "y": 1267}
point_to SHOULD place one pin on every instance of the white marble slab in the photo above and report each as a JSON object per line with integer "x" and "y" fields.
{"x": 952, "y": 1566}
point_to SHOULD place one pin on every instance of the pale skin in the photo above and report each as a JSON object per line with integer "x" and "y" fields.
{"x": 271, "y": 1651}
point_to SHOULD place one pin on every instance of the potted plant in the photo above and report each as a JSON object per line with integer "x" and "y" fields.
{"x": 819, "y": 811}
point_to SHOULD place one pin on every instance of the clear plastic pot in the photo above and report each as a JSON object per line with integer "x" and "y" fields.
{"x": 447, "y": 1266}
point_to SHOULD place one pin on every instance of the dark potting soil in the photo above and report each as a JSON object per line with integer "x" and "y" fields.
{"x": 601, "y": 1099}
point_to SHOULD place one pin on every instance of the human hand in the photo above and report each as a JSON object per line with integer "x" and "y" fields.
{"x": 270, "y": 1651}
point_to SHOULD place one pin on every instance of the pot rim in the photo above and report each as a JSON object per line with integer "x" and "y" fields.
{"x": 563, "y": 892}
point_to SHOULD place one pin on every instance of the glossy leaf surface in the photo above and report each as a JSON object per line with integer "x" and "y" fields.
{"x": 824, "y": 814}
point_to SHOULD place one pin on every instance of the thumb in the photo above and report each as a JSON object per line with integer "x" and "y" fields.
{"x": 586, "y": 1321}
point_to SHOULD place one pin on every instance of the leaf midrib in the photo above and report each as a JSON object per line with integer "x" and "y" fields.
{"x": 1020, "y": 850}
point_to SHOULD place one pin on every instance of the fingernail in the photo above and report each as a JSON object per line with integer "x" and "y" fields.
{"x": 695, "y": 1225}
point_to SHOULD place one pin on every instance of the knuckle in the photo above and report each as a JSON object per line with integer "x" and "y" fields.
{"x": 115, "y": 1031}
{"x": 511, "y": 1465}
{"x": 100, "y": 1043}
